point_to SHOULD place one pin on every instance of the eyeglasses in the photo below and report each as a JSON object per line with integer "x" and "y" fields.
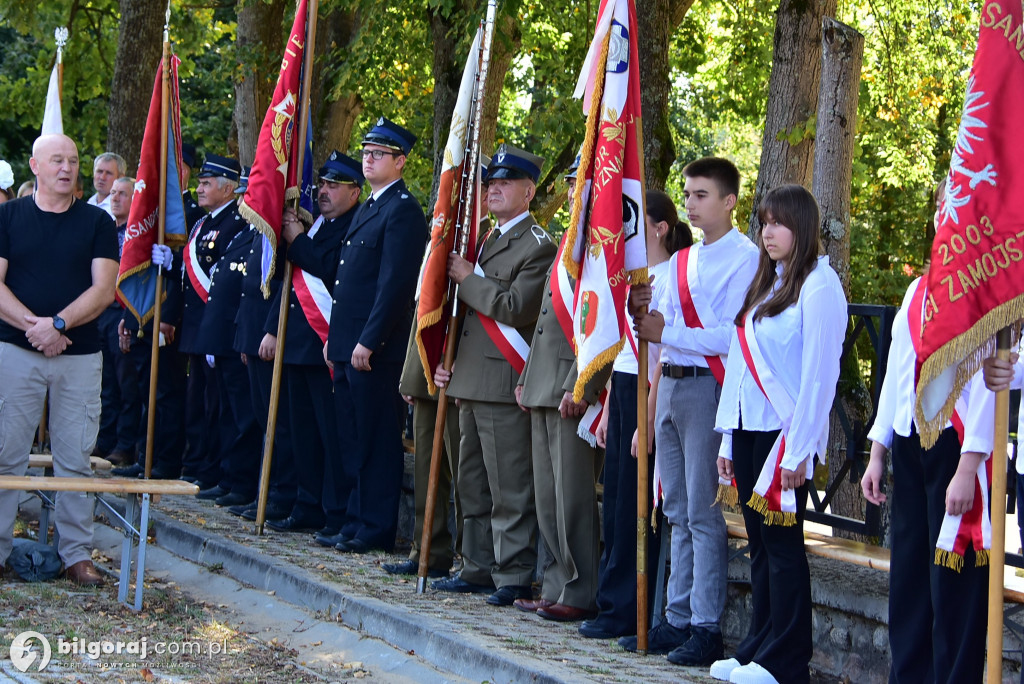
{"x": 379, "y": 154}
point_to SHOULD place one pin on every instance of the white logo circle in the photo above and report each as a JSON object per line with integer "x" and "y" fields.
{"x": 23, "y": 651}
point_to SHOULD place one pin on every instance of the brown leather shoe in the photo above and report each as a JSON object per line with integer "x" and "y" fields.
{"x": 564, "y": 613}
{"x": 84, "y": 573}
{"x": 532, "y": 605}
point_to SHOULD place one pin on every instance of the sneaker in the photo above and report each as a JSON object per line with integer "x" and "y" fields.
{"x": 752, "y": 673}
{"x": 721, "y": 669}
{"x": 661, "y": 639}
{"x": 703, "y": 648}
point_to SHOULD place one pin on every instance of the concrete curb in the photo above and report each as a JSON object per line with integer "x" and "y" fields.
{"x": 431, "y": 639}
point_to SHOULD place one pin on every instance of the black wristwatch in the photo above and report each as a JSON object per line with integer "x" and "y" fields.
{"x": 59, "y": 325}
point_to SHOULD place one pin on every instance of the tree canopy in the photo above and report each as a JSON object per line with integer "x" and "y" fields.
{"x": 377, "y": 57}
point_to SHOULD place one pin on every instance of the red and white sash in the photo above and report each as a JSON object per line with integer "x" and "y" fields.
{"x": 778, "y": 506}
{"x": 688, "y": 297}
{"x": 562, "y": 299}
{"x": 313, "y": 296}
{"x": 193, "y": 268}
{"x": 973, "y": 527}
{"x": 507, "y": 339}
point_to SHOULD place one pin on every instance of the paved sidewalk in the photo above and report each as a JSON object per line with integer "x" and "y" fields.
{"x": 460, "y": 634}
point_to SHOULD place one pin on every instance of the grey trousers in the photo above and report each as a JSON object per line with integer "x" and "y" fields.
{"x": 74, "y": 419}
{"x": 688, "y": 463}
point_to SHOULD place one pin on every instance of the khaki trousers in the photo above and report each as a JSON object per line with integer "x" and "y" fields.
{"x": 496, "y": 493}
{"x": 565, "y": 470}
{"x": 74, "y": 419}
{"x": 424, "y": 419}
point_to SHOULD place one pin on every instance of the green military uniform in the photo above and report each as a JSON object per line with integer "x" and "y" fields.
{"x": 495, "y": 473}
{"x": 424, "y": 416}
{"x": 565, "y": 467}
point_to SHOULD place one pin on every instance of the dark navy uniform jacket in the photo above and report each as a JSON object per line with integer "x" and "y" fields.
{"x": 318, "y": 256}
{"x": 376, "y": 278}
{"x": 253, "y": 308}
{"x": 217, "y": 333}
{"x": 214, "y": 234}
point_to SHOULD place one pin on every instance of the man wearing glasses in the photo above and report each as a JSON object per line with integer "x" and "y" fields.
{"x": 372, "y": 311}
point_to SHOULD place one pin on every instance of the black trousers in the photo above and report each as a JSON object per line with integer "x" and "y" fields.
{"x": 370, "y": 418}
{"x": 315, "y": 443}
{"x": 779, "y": 638}
{"x": 616, "y": 589}
{"x": 121, "y": 415}
{"x": 937, "y": 617}
{"x": 240, "y": 439}
{"x": 169, "y": 432}
{"x": 202, "y": 422}
{"x": 282, "y": 463}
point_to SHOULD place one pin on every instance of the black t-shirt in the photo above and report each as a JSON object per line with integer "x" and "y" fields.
{"x": 49, "y": 262}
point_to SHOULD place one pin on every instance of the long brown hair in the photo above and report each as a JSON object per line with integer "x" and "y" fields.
{"x": 660, "y": 207}
{"x": 794, "y": 207}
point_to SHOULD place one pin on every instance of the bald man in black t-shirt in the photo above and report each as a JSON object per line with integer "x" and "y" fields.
{"x": 58, "y": 264}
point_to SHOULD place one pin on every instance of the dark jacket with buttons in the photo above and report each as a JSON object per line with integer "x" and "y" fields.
{"x": 318, "y": 256}
{"x": 217, "y": 334}
{"x": 212, "y": 237}
{"x": 510, "y": 292}
{"x": 376, "y": 277}
{"x": 253, "y": 308}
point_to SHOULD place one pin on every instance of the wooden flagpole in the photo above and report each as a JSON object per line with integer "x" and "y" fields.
{"x": 154, "y": 355}
{"x": 60, "y": 34}
{"x": 997, "y": 506}
{"x": 302, "y": 112}
{"x": 470, "y": 220}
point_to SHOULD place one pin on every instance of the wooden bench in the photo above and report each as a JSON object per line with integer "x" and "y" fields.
{"x": 45, "y": 461}
{"x": 137, "y": 495}
{"x": 847, "y": 550}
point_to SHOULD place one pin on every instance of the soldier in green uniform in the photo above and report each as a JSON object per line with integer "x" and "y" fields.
{"x": 503, "y": 293}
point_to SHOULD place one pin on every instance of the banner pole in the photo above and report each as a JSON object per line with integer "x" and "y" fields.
{"x": 154, "y": 355}
{"x": 286, "y": 286}
{"x": 994, "y": 657}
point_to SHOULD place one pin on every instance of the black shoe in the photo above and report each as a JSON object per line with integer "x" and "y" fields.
{"x": 241, "y": 510}
{"x": 411, "y": 567}
{"x": 190, "y": 479}
{"x": 458, "y": 585}
{"x": 355, "y": 545}
{"x": 507, "y": 595}
{"x": 703, "y": 648}
{"x": 134, "y": 470}
{"x": 232, "y": 499}
{"x": 158, "y": 474}
{"x": 332, "y": 540}
{"x": 605, "y": 629}
{"x": 661, "y": 639}
{"x": 286, "y": 523}
{"x": 214, "y": 492}
{"x": 328, "y": 532}
{"x": 272, "y": 512}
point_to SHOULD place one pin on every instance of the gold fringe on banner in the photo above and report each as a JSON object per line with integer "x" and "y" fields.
{"x": 782, "y": 518}
{"x": 949, "y": 559}
{"x": 727, "y": 495}
{"x": 253, "y": 217}
{"x": 967, "y": 352}
{"x": 981, "y": 558}
{"x": 605, "y": 358}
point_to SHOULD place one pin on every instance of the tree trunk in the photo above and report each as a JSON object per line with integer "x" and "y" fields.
{"x": 333, "y": 116}
{"x": 259, "y": 44}
{"x": 787, "y": 147}
{"x": 448, "y": 64}
{"x": 139, "y": 45}
{"x": 841, "y": 59}
{"x": 507, "y": 39}
{"x": 657, "y": 20}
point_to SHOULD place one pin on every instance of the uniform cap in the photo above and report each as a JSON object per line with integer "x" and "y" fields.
{"x": 512, "y": 162}
{"x": 220, "y": 167}
{"x": 243, "y": 180}
{"x": 340, "y": 168}
{"x": 389, "y": 134}
{"x": 189, "y": 154}
{"x": 570, "y": 174}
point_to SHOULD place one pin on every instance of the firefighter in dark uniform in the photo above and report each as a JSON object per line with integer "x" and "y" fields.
{"x": 310, "y": 392}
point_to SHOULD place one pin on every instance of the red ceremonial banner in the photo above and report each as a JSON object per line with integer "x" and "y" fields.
{"x": 976, "y": 280}
{"x": 273, "y": 178}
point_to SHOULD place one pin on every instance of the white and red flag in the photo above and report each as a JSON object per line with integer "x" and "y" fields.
{"x": 605, "y": 246}
{"x": 976, "y": 280}
{"x": 451, "y": 215}
{"x": 274, "y": 176}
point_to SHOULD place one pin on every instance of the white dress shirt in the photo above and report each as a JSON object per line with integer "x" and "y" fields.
{"x": 626, "y": 362}
{"x": 802, "y": 346}
{"x": 104, "y": 205}
{"x": 895, "y": 413}
{"x": 725, "y": 269}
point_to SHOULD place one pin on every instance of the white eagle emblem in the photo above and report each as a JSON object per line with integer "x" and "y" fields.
{"x": 957, "y": 195}
{"x": 140, "y": 185}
